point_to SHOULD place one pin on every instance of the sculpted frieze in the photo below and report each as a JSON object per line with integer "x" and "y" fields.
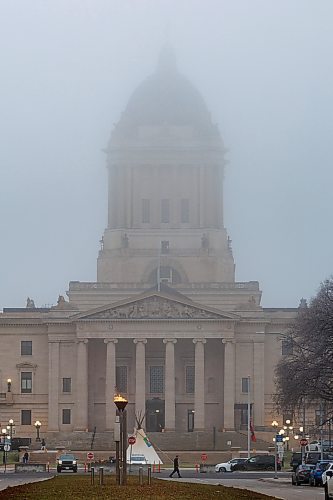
{"x": 155, "y": 308}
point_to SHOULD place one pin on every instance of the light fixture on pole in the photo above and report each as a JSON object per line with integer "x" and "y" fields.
{"x": 4, "y": 439}
{"x": 38, "y": 426}
{"x": 121, "y": 404}
{"x": 275, "y": 426}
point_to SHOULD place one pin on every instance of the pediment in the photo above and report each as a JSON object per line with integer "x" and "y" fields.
{"x": 156, "y": 306}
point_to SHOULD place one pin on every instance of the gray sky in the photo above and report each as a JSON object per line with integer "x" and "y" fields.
{"x": 68, "y": 68}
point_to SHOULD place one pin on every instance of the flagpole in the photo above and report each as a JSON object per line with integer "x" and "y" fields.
{"x": 248, "y": 417}
{"x": 159, "y": 269}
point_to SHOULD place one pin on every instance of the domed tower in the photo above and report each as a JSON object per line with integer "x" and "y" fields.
{"x": 165, "y": 161}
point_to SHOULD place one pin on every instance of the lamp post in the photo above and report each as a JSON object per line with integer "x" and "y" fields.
{"x": 275, "y": 426}
{"x": 288, "y": 428}
{"x": 4, "y": 438}
{"x": 9, "y": 384}
{"x": 38, "y": 426}
{"x": 10, "y": 426}
{"x": 121, "y": 404}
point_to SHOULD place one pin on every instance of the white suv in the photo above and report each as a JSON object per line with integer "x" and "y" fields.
{"x": 328, "y": 483}
{"x": 227, "y": 466}
{"x": 325, "y": 476}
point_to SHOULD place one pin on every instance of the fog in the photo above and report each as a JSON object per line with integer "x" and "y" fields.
{"x": 68, "y": 68}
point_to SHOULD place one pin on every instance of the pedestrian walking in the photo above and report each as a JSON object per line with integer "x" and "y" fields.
{"x": 43, "y": 445}
{"x": 175, "y": 466}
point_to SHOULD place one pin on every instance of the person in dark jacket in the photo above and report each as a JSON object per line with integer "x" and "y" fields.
{"x": 175, "y": 466}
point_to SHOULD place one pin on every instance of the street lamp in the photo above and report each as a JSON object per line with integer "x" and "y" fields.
{"x": 288, "y": 428}
{"x": 10, "y": 427}
{"x": 4, "y": 438}
{"x": 38, "y": 426}
{"x": 9, "y": 384}
{"x": 121, "y": 404}
{"x": 275, "y": 426}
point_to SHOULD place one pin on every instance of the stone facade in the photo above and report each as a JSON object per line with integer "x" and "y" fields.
{"x": 165, "y": 322}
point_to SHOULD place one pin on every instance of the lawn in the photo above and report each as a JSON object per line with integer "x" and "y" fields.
{"x": 79, "y": 487}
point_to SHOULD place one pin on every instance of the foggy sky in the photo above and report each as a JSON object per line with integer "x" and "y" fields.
{"x": 68, "y": 68}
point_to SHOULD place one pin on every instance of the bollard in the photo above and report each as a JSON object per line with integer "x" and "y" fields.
{"x": 48, "y": 466}
{"x": 159, "y": 467}
{"x": 154, "y": 467}
{"x": 141, "y": 476}
{"x": 197, "y": 468}
{"x": 85, "y": 466}
{"x": 149, "y": 475}
{"x": 92, "y": 475}
{"x": 101, "y": 476}
{"x": 121, "y": 475}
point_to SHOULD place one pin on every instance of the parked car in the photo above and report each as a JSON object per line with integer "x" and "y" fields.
{"x": 66, "y": 462}
{"x": 257, "y": 462}
{"x": 138, "y": 459}
{"x": 326, "y": 473}
{"x": 313, "y": 446}
{"x": 227, "y": 466}
{"x": 316, "y": 473}
{"x": 301, "y": 474}
{"x": 296, "y": 460}
{"x": 328, "y": 485}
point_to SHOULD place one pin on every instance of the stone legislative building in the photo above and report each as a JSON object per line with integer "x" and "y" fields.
{"x": 165, "y": 323}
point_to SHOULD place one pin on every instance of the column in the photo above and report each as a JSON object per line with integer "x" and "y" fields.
{"x": 258, "y": 387}
{"x": 110, "y": 383}
{"x": 82, "y": 386}
{"x": 140, "y": 377}
{"x": 53, "y": 408}
{"x": 229, "y": 384}
{"x": 199, "y": 384}
{"x": 170, "y": 399}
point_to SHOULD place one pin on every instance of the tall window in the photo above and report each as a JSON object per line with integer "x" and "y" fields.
{"x": 245, "y": 385}
{"x": 189, "y": 379}
{"x": 121, "y": 378}
{"x": 145, "y": 211}
{"x": 165, "y": 211}
{"x": 26, "y": 348}
{"x": 287, "y": 347}
{"x": 26, "y": 382}
{"x": 25, "y": 417}
{"x": 156, "y": 379}
{"x": 66, "y": 384}
{"x": 66, "y": 416}
{"x": 185, "y": 211}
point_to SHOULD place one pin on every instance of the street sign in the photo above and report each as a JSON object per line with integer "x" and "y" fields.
{"x": 131, "y": 440}
{"x": 204, "y": 457}
{"x": 7, "y": 447}
{"x": 279, "y": 438}
{"x": 90, "y": 455}
{"x": 303, "y": 442}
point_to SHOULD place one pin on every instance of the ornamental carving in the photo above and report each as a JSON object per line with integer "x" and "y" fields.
{"x": 155, "y": 308}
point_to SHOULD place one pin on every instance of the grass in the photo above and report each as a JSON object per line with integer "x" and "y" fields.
{"x": 79, "y": 487}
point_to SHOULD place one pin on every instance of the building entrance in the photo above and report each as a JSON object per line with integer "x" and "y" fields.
{"x": 155, "y": 415}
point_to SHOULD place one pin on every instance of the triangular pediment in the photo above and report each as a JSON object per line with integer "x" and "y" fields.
{"x": 155, "y": 306}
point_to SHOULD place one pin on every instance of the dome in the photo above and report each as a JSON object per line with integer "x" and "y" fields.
{"x": 166, "y": 98}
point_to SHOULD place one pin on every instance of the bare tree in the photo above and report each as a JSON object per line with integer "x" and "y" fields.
{"x": 306, "y": 372}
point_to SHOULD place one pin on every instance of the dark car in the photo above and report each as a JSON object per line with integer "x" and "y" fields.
{"x": 301, "y": 474}
{"x": 296, "y": 460}
{"x": 66, "y": 462}
{"x": 316, "y": 473}
{"x": 258, "y": 462}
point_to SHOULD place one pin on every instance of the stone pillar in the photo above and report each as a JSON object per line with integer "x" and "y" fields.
{"x": 110, "y": 383}
{"x": 53, "y": 406}
{"x": 81, "y": 418}
{"x": 258, "y": 388}
{"x": 229, "y": 384}
{"x": 140, "y": 377}
{"x": 170, "y": 398}
{"x": 199, "y": 384}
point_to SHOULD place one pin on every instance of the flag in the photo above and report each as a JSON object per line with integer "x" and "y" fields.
{"x": 253, "y": 436}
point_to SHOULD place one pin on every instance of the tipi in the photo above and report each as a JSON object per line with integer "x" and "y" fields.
{"x": 142, "y": 445}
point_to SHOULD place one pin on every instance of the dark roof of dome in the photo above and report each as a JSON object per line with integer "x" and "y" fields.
{"x": 166, "y": 97}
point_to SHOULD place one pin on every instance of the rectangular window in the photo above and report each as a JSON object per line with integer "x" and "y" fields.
{"x": 165, "y": 211}
{"x": 189, "y": 376}
{"x": 26, "y": 348}
{"x": 287, "y": 347}
{"x": 145, "y": 211}
{"x": 245, "y": 385}
{"x": 121, "y": 378}
{"x": 185, "y": 211}
{"x": 156, "y": 379}
{"x": 26, "y": 382}
{"x": 66, "y": 416}
{"x": 66, "y": 385}
{"x": 25, "y": 417}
